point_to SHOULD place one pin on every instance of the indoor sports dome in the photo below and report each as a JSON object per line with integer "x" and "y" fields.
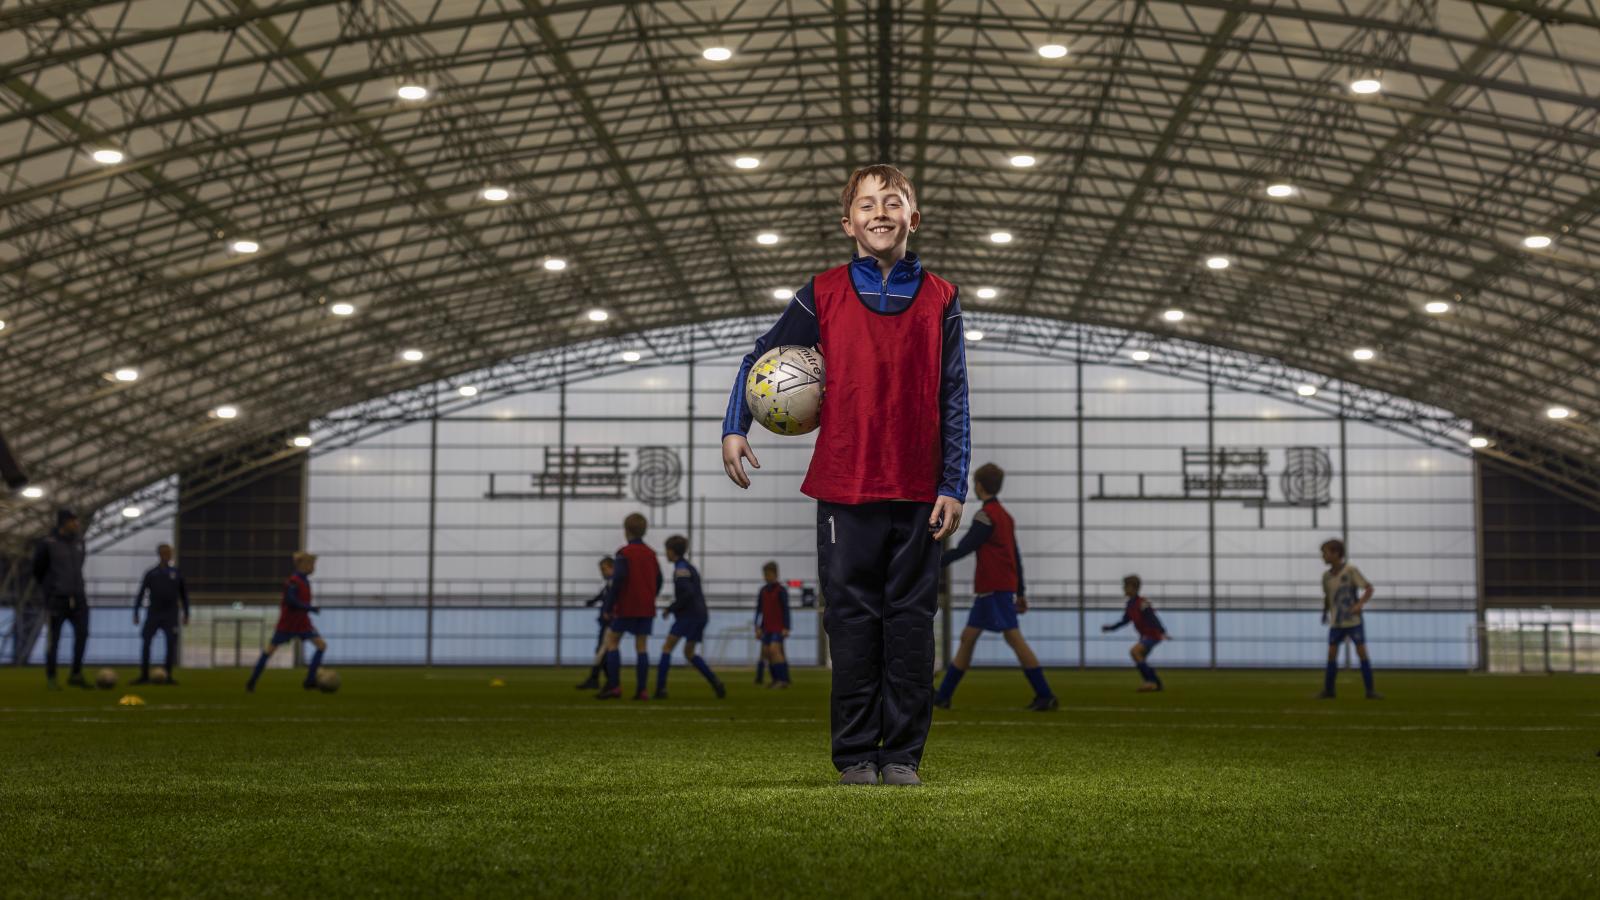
{"x": 440, "y": 292}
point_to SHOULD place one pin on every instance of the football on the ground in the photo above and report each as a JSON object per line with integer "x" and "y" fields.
{"x": 784, "y": 390}
{"x": 159, "y": 674}
{"x": 106, "y": 679}
{"x": 327, "y": 681}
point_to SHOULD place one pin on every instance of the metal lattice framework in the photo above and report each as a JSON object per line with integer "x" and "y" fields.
{"x": 1154, "y": 139}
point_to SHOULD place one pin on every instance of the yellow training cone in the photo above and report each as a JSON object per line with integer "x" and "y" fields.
{"x": 131, "y": 700}
{"x": 497, "y": 682}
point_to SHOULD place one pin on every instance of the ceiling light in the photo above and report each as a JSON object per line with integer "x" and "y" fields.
{"x": 1362, "y": 353}
{"x": 631, "y": 356}
{"x": 1280, "y": 190}
{"x": 974, "y": 334}
{"x": 1173, "y": 315}
{"x": 342, "y": 309}
{"x": 1000, "y": 237}
{"x": 132, "y": 512}
{"x": 1558, "y": 412}
{"x": 1306, "y": 390}
{"x": 1436, "y": 307}
{"x": 1366, "y": 86}
{"x": 987, "y": 293}
{"x": 717, "y": 54}
{"x": 412, "y": 92}
{"x": 1052, "y": 51}
{"x": 1218, "y": 262}
{"x": 302, "y": 441}
{"x": 598, "y": 315}
{"x": 747, "y": 162}
{"x": 467, "y": 390}
{"x": 126, "y": 374}
{"x": 245, "y": 246}
{"x": 1022, "y": 161}
{"x": 1477, "y": 443}
{"x": 2, "y": 324}
{"x": 412, "y": 355}
{"x": 226, "y": 412}
{"x": 496, "y": 194}
{"x": 1139, "y": 355}
{"x": 766, "y": 237}
{"x": 782, "y": 294}
{"x": 33, "y": 492}
{"x": 1536, "y": 241}
{"x": 107, "y": 156}
{"x": 555, "y": 264}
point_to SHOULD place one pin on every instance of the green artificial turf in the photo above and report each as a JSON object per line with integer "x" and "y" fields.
{"x": 413, "y": 782}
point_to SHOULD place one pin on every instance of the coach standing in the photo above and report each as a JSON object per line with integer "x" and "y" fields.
{"x": 58, "y": 568}
{"x": 164, "y": 584}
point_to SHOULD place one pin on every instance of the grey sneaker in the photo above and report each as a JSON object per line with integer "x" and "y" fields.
{"x": 901, "y": 774}
{"x": 860, "y": 773}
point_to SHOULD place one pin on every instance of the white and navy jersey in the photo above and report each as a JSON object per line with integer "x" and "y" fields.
{"x": 1341, "y": 591}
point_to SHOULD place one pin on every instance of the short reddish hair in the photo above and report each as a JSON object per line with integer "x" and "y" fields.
{"x": 889, "y": 175}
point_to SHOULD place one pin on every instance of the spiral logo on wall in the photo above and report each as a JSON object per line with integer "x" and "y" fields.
{"x": 1307, "y": 478}
{"x": 657, "y": 472}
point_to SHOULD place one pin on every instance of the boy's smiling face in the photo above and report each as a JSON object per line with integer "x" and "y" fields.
{"x": 880, "y": 220}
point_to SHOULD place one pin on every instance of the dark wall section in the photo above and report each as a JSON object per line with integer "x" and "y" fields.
{"x": 235, "y": 540}
{"x": 1538, "y": 547}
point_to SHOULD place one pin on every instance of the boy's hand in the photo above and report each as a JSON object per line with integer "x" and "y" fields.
{"x": 665, "y": 613}
{"x": 1022, "y": 604}
{"x": 786, "y": 632}
{"x": 1106, "y": 628}
{"x": 735, "y": 449}
{"x": 946, "y": 516}
{"x": 136, "y": 617}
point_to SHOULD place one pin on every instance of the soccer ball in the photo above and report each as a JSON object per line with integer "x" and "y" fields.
{"x": 106, "y": 679}
{"x": 159, "y": 674}
{"x": 784, "y": 390}
{"x": 327, "y": 681}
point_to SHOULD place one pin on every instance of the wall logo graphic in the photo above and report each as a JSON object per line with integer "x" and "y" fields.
{"x": 656, "y": 475}
{"x": 1240, "y": 473}
{"x": 596, "y": 473}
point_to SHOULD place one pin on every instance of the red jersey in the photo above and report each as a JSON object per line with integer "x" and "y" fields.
{"x": 772, "y": 609}
{"x": 292, "y": 619}
{"x": 1144, "y": 619}
{"x": 998, "y": 559}
{"x": 880, "y": 436}
{"x": 637, "y": 598}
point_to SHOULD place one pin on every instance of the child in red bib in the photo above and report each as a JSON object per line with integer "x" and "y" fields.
{"x": 889, "y": 472}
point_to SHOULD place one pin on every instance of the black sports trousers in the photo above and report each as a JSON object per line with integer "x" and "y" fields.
{"x": 879, "y": 570}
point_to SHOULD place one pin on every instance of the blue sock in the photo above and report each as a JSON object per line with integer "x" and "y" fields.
{"x": 261, "y": 666}
{"x": 952, "y": 678}
{"x": 780, "y": 672}
{"x": 662, "y": 669}
{"x": 761, "y": 669}
{"x": 316, "y": 663}
{"x": 613, "y": 668}
{"x": 642, "y": 666}
{"x": 700, "y": 666}
{"x": 1366, "y": 673}
{"x": 1041, "y": 688}
{"x": 1149, "y": 674}
{"x": 1329, "y": 675}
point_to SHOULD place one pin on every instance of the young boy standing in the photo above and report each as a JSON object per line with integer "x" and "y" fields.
{"x": 607, "y": 567}
{"x": 889, "y": 472}
{"x": 1001, "y": 593}
{"x": 1345, "y": 592}
{"x": 294, "y": 621}
{"x": 1151, "y": 632}
{"x": 689, "y": 606}
{"x": 631, "y": 605}
{"x": 772, "y": 625}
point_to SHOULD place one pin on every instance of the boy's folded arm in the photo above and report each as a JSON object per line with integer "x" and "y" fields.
{"x": 970, "y": 542}
{"x": 954, "y": 412}
{"x": 796, "y": 327}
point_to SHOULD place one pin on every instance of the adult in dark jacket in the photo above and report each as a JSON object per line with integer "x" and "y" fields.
{"x": 58, "y": 568}
{"x": 166, "y": 590}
